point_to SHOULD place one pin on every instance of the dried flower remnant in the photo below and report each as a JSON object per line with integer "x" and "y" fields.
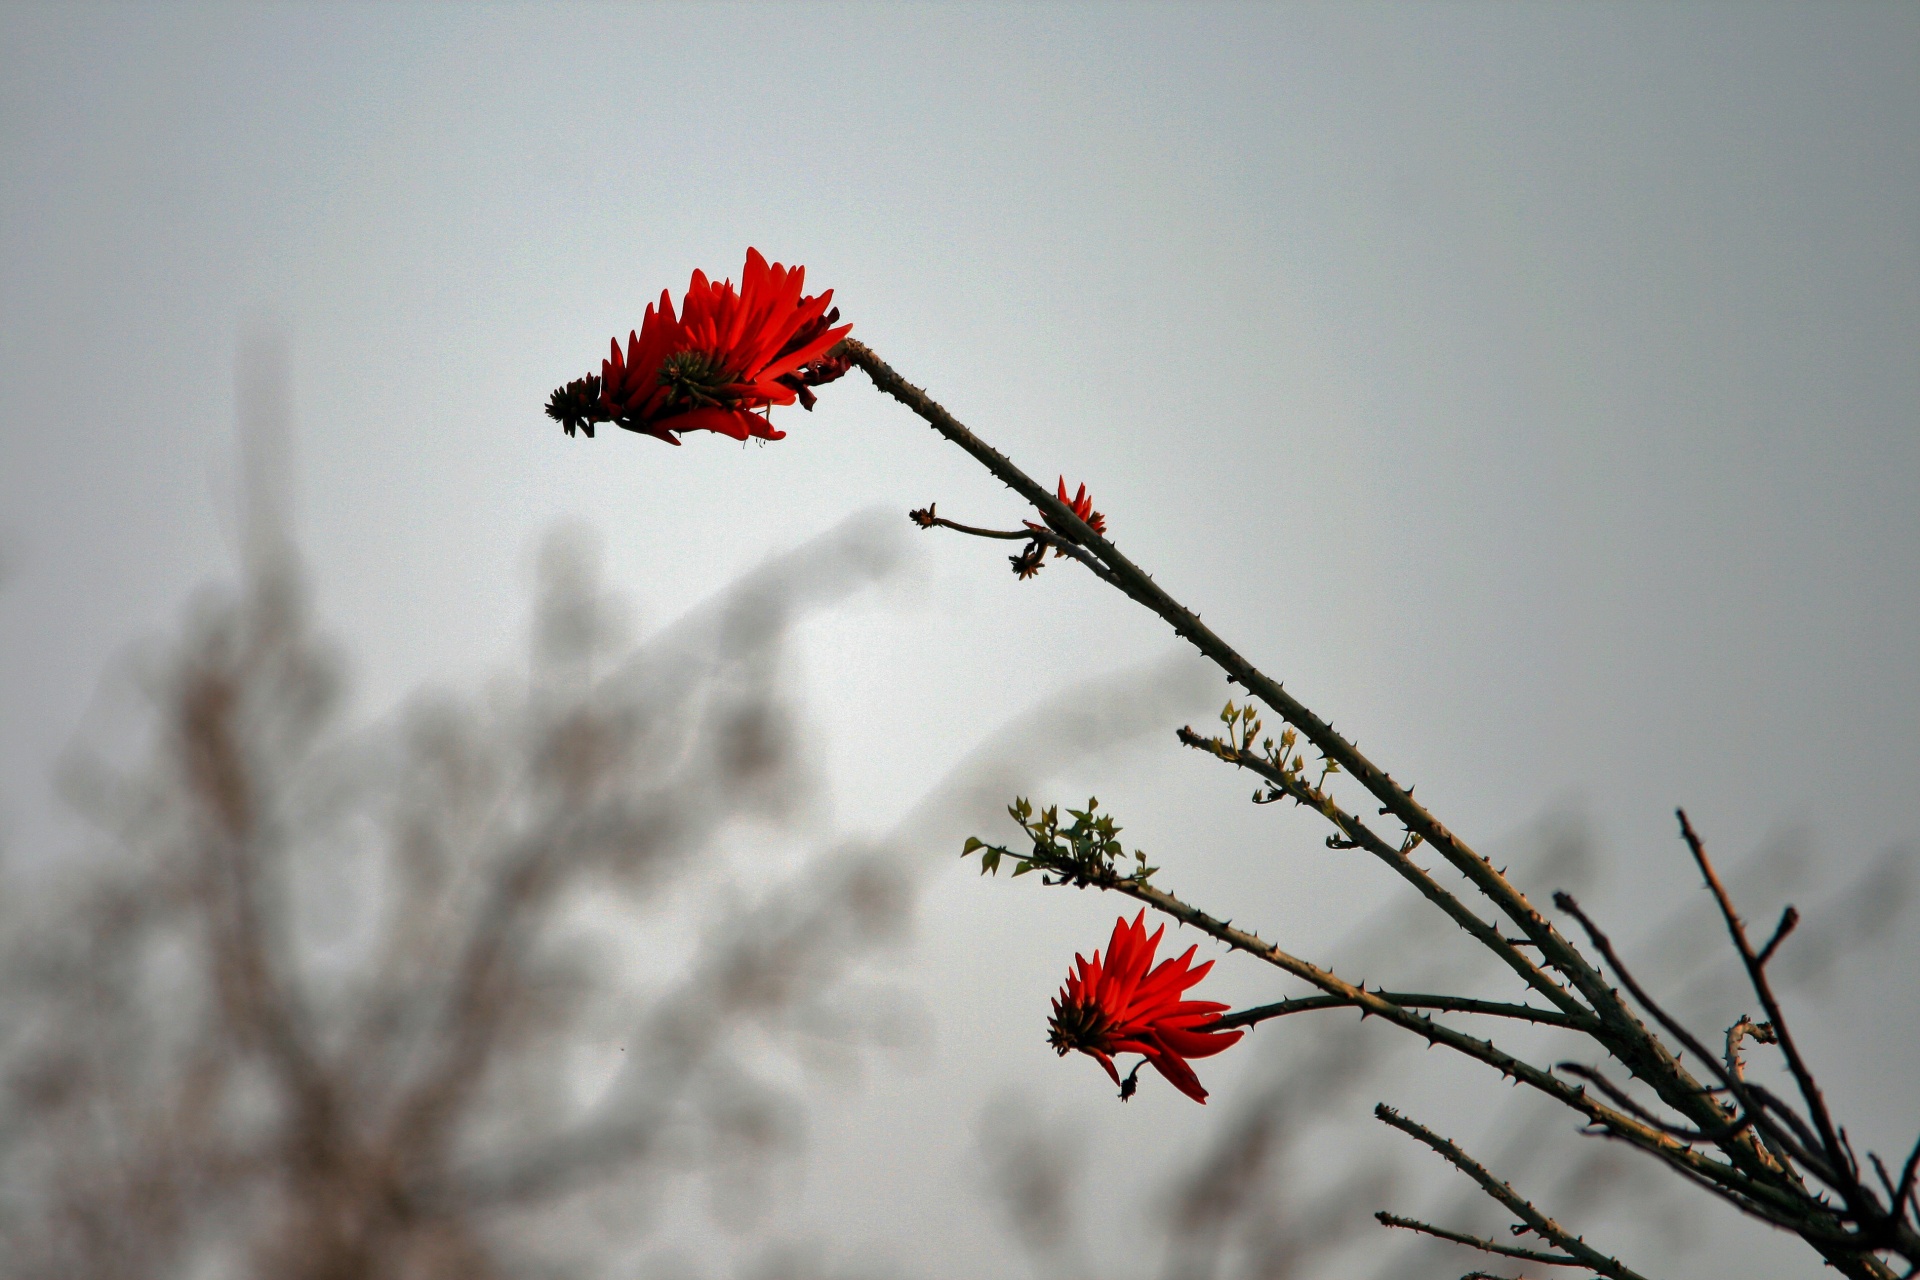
{"x": 1030, "y": 559}
{"x": 576, "y": 406}
{"x": 727, "y": 357}
{"x": 1120, "y": 1007}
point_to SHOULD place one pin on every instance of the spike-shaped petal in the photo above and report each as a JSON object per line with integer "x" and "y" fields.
{"x": 727, "y": 357}
{"x": 1124, "y": 1004}
{"x": 1081, "y": 504}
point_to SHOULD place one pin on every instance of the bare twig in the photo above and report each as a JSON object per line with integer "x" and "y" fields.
{"x": 1625, "y": 1100}
{"x": 926, "y": 519}
{"x": 1754, "y": 1100}
{"x": 1386, "y": 1219}
{"x": 1836, "y": 1157}
{"x": 1788, "y": 919}
{"x": 1406, "y": 1000}
{"x": 1546, "y": 1228}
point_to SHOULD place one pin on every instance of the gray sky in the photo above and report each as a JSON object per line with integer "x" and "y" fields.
{"x": 1534, "y": 389}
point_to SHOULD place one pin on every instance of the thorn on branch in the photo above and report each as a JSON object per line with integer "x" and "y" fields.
{"x": 1621, "y": 1098}
{"x": 1386, "y": 1219}
{"x": 1581, "y": 1253}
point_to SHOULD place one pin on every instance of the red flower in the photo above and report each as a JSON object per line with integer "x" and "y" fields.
{"x": 1120, "y": 1007}
{"x": 1081, "y": 504}
{"x": 729, "y": 353}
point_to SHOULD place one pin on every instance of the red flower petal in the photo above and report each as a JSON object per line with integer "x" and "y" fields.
{"x": 729, "y": 354}
{"x": 1124, "y": 1004}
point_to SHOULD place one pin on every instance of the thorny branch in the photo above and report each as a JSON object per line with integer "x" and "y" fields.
{"x": 1531, "y": 1218}
{"x": 1354, "y": 833}
{"x": 1762, "y": 1143}
{"x": 1406, "y": 1000}
{"x": 1484, "y": 1245}
{"x": 1374, "y": 1003}
{"x": 1140, "y": 586}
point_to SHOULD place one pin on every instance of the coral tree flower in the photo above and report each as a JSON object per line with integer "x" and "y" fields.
{"x": 1081, "y": 504}
{"x": 725, "y": 358}
{"x": 1030, "y": 560}
{"x": 1120, "y": 1007}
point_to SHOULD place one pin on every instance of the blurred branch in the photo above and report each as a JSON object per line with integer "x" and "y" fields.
{"x": 263, "y": 1007}
{"x": 327, "y": 982}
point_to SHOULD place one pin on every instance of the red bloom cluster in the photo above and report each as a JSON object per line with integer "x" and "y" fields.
{"x": 728, "y": 356}
{"x": 1121, "y": 1007}
{"x": 1033, "y": 556}
{"x": 1081, "y": 504}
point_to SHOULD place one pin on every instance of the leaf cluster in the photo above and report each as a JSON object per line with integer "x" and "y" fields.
{"x": 1087, "y": 851}
{"x": 1244, "y": 729}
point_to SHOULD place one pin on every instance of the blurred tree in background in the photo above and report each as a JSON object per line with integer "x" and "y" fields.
{"x": 344, "y": 1003}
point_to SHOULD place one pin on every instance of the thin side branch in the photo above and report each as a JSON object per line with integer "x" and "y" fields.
{"x": 1625, "y": 1100}
{"x": 926, "y": 519}
{"x": 1406, "y": 1000}
{"x": 1756, "y": 973}
{"x": 1400, "y": 860}
{"x": 1753, "y": 1099}
{"x": 1386, "y": 1219}
{"x": 1546, "y": 1228}
{"x": 1788, "y": 919}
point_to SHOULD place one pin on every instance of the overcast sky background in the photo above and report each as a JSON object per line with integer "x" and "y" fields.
{"x": 1535, "y": 390}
